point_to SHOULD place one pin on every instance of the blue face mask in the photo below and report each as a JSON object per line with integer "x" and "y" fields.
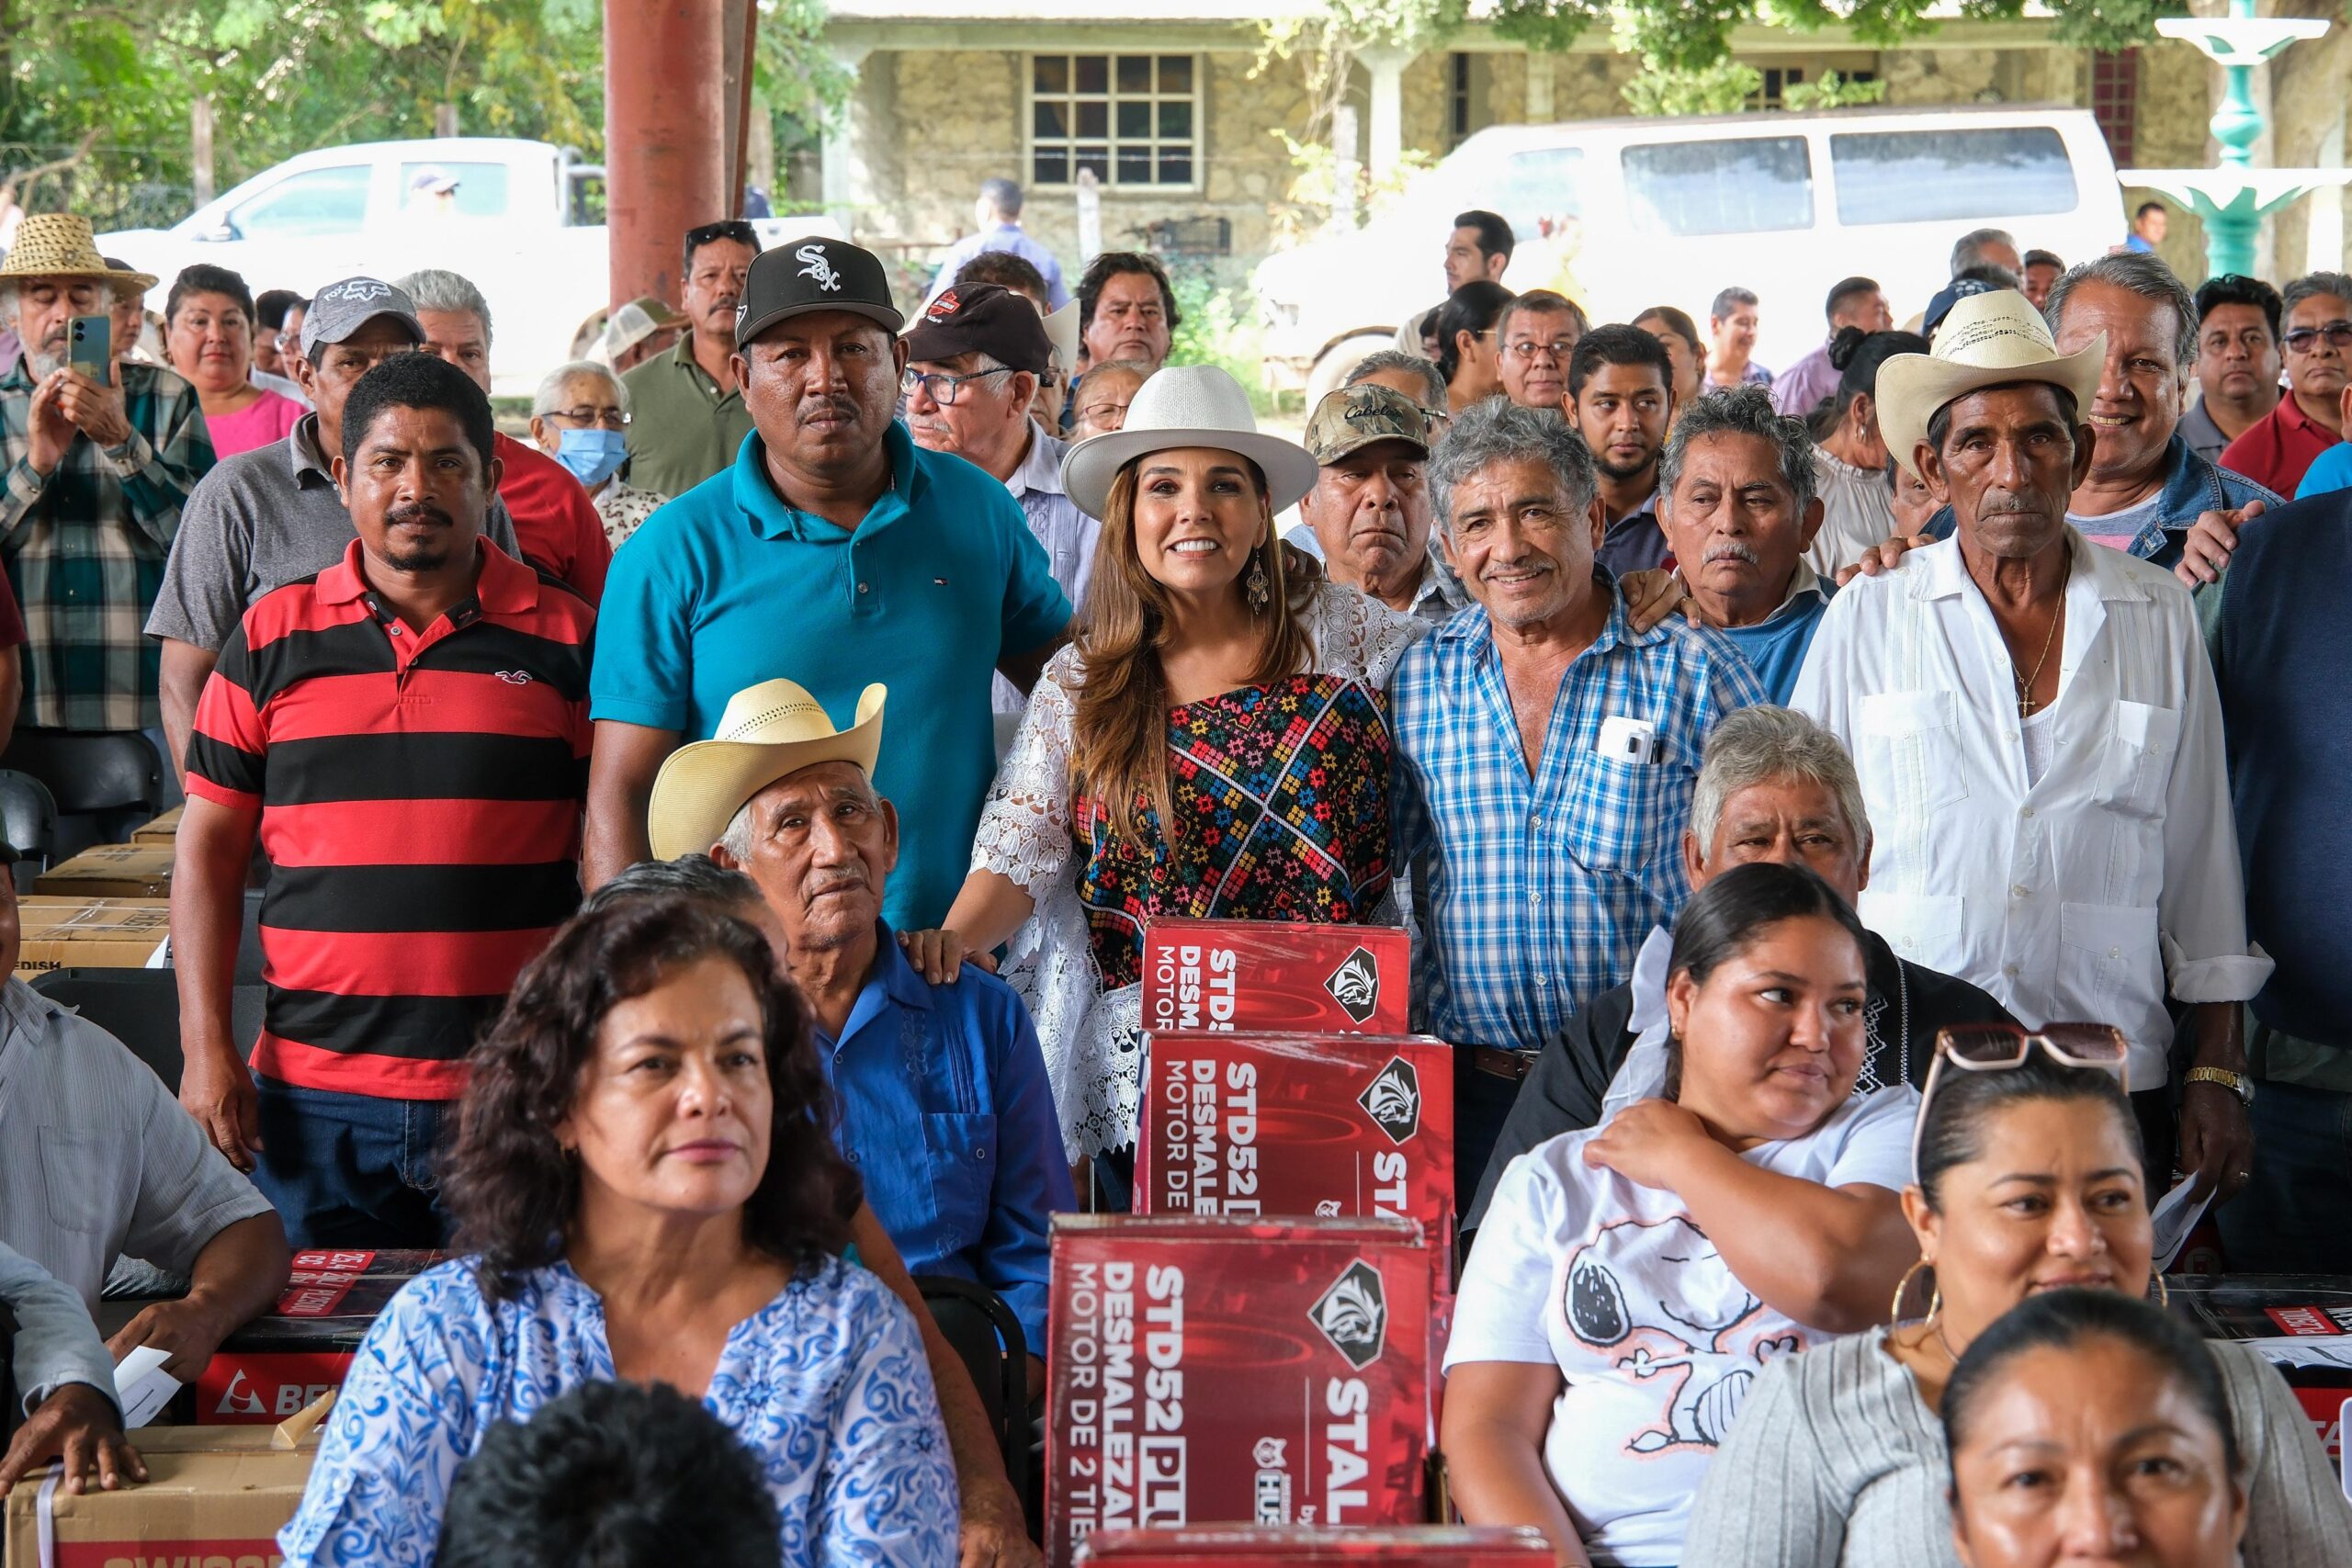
{"x": 594, "y": 456}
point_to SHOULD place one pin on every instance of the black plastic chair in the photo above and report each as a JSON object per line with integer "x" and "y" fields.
{"x": 138, "y": 1007}
{"x": 28, "y": 818}
{"x": 984, "y": 1332}
{"x": 105, "y": 785}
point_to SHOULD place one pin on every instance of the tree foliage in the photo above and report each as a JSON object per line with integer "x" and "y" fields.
{"x": 1692, "y": 35}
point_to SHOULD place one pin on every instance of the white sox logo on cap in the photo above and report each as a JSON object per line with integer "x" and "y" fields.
{"x": 359, "y": 291}
{"x": 818, "y": 266}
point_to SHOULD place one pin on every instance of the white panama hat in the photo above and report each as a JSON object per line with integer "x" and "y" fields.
{"x": 1190, "y": 405}
{"x": 1988, "y": 340}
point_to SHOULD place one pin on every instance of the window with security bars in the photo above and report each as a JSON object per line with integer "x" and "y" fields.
{"x": 1771, "y": 93}
{"x": 2115, "y": 99}
{"x": 1134, "y": 119}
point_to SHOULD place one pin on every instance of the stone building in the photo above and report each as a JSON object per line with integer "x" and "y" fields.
{"x": 1177, "y": 109}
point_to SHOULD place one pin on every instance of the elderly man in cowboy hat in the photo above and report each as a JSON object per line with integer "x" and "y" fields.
{"x": 946, "y": 1111}
{"x": 2039, "y": 740}
{"x": 97, "y": 468}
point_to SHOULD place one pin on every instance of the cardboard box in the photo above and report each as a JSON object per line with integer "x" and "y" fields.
{"x": 111, "y": 871}
{"x": 1305, "y": 1124}
{"x": 1425, "y": 1546}
{"x": 1258, "y": 1371}
{"x": 284, "y": 1361}
{"x": 162, "y": 830}
{"x": 2302, "y": 1324}
{"x": 1264, "y": 976}
{"x": 90, "y": 933}
{"x": 213, "y": 1499}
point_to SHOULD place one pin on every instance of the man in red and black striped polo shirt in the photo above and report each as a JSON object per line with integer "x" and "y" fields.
{"x": 407, "y": 733}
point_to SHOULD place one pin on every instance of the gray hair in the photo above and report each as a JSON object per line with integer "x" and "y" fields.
{"x": 434, "y": 289}
{"x": 2312, "y": 282}
{"x": 1002, "y": 195}
{"x": 1764, "y": 744}
{"x": 2136, "y": 273}
{"x": 1433, "y": 379}
{"x": 1496, "y": 430}
{"x": 1968, "y": 250}
{"x": 1540, "y": 302}
{"x": 550, "y": 397}
{"x": 1729, "y": 301}
{"x": 1738, "y": 411}
{"x": 737, "y": 840}
{"x": 693, "y": 875}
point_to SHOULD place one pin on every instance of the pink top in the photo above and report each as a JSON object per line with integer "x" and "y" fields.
{"x": 268, "y": 418}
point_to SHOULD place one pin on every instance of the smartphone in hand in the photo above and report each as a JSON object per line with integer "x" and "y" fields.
{"x": 90, "y": 347}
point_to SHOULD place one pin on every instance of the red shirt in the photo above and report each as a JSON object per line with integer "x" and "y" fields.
{"x": 419, "y": 796}
{"x": 555, "y": 523}
{"x": 2277, "y": 448}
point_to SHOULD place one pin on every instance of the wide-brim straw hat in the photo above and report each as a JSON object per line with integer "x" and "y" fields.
{"x": 1988, "y": 340}
{"x": 58, "y": 244}
{"x": 1190, "y": 405}
{"x": 768, "y": 731}
{"x": 1061, "y": 330}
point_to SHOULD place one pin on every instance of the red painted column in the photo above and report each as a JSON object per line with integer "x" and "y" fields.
{"x": 665, "y": 128}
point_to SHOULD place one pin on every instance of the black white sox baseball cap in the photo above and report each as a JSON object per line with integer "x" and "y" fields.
{"x": 799, "y": 277}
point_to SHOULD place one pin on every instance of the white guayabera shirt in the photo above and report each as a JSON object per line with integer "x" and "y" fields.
{"x": 2074, "y": 896}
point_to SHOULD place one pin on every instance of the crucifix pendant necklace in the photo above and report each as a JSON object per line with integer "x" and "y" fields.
{"x": 2026, "y": 704}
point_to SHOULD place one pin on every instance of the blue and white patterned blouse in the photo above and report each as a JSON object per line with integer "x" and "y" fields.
{"x": 827, "y": 1384}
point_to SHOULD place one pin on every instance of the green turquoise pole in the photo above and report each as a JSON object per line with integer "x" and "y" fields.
{"x": 2238, "y": 126}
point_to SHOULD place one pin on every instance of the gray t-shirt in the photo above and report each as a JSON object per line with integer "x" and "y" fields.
{"x": 257, "y": 522}
{"x": 1836, "y": 1462}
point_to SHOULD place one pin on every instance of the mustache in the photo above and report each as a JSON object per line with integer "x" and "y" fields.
{"x": 1534, "y": 564}
{"x": 1732, "y": 549}
{"x": 840, "y": 882}
{"x": 840, "y": 407}
{"x": 417, "y": 511}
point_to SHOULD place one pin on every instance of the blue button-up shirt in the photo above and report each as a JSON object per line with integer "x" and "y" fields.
{"x": 948, "y": 1118}
{"x": 1003, "y": 237}
{"x": 1536, "y": 889}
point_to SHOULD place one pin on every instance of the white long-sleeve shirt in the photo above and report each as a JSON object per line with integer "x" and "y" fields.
{"x": 2077, "y": 896}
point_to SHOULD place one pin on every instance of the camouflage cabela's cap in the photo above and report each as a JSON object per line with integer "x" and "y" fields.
{"x": 1357, "y": 416}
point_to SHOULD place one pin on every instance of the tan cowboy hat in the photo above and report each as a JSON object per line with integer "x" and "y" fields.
{"x": 1988, "y": 340}
{"x": 768, "y": 730}
{"x": 58, "y": 245}
{"x": 1189, "y": 405}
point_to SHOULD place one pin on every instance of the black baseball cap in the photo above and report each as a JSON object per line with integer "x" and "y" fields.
{"x": 803, "y": 276}
{"x": 982, "y": 317}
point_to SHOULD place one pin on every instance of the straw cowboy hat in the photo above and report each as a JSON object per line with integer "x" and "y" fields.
{"x": 1193, "y": 405}
{"x": 768, "y": 730}
{"x": 58, "y": 245}
{"x": 1988, "y": 340}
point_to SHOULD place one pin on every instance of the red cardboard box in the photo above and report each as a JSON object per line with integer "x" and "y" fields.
{"x": 1425, "y": 1546}
{"x": 1227, "y": 1369}
{"x": 281, "y": 1361}
{"x": 1321, "y": 1124}
{"x": 1270, "y": 976}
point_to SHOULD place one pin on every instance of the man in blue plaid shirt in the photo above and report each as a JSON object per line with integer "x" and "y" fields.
{"x": 1545, "y": 756}
{"x": 95, "y": 476}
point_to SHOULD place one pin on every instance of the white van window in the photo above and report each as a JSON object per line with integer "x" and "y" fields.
{"x": 1538, "y": 192}
{"x": 317, "y": 201}
{"x": 1747, "y": 187}
{"x": 1921, "y": 176}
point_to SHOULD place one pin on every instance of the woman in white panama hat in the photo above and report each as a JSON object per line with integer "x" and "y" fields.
{"x": 1218, "y": 684}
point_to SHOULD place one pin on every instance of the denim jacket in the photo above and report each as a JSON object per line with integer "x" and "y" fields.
{"x": 2192, "y": 485}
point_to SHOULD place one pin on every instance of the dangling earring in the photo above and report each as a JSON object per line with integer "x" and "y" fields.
{"x": 1935, "y": 1301}
{"x": 2164, "y": 1293}
{"x": 1259, "y": 590}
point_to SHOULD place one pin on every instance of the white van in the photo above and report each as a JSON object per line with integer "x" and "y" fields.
{"x": 1625, "y": 214}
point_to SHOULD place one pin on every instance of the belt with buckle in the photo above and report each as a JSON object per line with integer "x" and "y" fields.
{"x": 1497, "y": 1062}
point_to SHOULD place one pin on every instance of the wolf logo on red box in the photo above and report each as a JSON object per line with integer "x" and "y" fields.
{"x": 1704, "y": 1369}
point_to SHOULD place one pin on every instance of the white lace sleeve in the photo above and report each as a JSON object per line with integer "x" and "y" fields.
{"x": 1024, "y": 827}
{"x": 1357, "y": 636}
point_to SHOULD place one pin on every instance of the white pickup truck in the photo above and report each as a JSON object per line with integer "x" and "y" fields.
{"x": 522, "y": 220}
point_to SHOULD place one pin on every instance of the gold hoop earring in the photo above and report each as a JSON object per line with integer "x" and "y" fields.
{"x": 1935, "y": 1300}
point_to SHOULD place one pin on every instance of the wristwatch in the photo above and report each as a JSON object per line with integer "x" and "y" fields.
{"x": 2237, "y": 1083}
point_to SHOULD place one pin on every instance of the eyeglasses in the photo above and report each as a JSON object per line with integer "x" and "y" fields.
{"x": 2302, "y": 340}
{"x": 2002, "y": 1047}
{"x": 944, "y": 389}
{"x": 1525, "y": 349}
{"x": 610, "y": 418}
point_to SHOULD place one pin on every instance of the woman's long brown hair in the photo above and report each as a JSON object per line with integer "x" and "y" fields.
{"x": 1119, "y": 731}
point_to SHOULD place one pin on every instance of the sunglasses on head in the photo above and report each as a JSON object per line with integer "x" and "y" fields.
{"x": 2001, "y": 1047}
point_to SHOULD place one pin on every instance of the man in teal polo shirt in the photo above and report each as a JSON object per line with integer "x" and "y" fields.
{"x": 834, "y": 551}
